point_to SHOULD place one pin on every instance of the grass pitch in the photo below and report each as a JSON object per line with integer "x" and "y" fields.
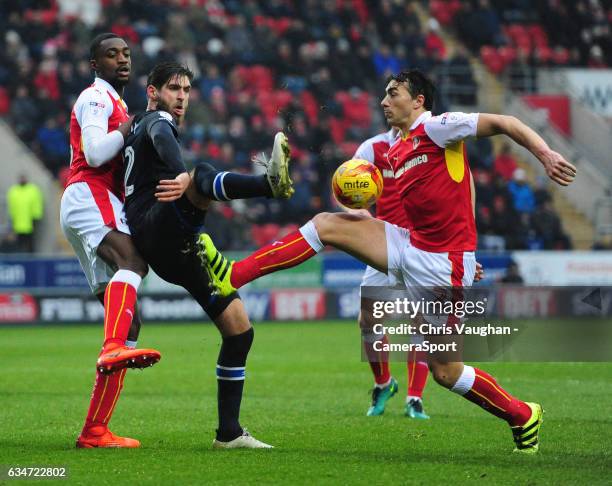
{"x": 307, "y": 394}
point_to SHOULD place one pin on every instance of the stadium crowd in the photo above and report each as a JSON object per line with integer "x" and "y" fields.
{"x": 313, "y": 68}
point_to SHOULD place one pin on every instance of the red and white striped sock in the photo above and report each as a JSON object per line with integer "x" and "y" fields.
{"x": 292, "y": 250}
{"x": 119, "y": 301}
{"x": 481, "y": 388}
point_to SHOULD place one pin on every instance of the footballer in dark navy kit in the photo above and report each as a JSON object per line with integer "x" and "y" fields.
{"x": 166, "y": 207}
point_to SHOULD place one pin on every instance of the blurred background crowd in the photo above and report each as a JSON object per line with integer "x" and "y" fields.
{"x": 314, "y": 68}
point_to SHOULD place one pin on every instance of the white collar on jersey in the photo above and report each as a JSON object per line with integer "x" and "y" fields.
{"x": 421, "y": 119}
{"x": 101, "y": 83}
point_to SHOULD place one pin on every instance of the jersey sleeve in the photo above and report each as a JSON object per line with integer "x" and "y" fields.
{"x": 160, "y": 117}
{"x": 163, "y": 133}
{"x": 93, "y": 108}
{"x": 365, "y": 152}
{"x": 451, "y": 127}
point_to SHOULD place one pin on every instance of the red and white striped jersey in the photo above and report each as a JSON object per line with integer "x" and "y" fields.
{"x": 99, "y": 105}
{"x": 389, "y": 205}
{"x": 432, "y": 177}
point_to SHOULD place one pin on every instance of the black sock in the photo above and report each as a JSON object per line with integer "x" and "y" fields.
{"x": 224, "y": 186}
{"x": 230, "y": 381}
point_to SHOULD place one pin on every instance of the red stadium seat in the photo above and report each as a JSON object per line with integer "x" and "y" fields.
{"x": 444, "y": 11}
{"x": 260, "y": 78}
{"x": 538, "y": 35}
{"x": 271, "y": 102}
{"x": 265, "y": 233}
{"x": 356, "y": 108}
{"x": 543, "y": 54}
{"x": 491, "y": 58}
{"x": 5, "y": 101}
{"x": 561, "y": 55}
{"x": 507, "y": 54}
{"x": 348, "y": 149}
{"x": 519, "y": 36}
{"x": 336, "y": 128}
{"x": 311, "y": 107}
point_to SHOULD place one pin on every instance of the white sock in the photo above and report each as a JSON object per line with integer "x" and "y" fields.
{"x": 465, "y": 382}
{"x": 309, "y": 232}
{"x": 127, "y": 276}
{"x": 131, "y": 344}
{"x": 410, "y": 397}
{"x": 383, "y": 385}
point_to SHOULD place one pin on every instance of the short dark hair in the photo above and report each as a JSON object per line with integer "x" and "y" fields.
{"x": 416, "y": 84}
{"x": 164, "y": 71}
{"x": 97, "y": 40}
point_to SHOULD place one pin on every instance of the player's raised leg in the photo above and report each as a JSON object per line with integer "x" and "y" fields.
{"x": 362, "y": 237}
{"x": 119, "y": 305}
{"x": 225, "y": 186}
{"x": 482, "y": 389}
{"x": 117, "y": 355}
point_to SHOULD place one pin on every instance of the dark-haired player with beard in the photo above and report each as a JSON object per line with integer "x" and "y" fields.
{"x": 93, "y": 221}
{"x": 166, "y": 207}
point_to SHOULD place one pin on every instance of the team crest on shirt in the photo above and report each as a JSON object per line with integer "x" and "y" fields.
{"x": 415, "y": 142}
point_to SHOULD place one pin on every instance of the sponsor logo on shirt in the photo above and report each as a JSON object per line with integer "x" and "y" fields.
{"x": 96, "y": 106}
{"x": 421, "y": 159}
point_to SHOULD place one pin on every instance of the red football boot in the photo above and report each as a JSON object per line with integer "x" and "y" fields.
{"x": 119, "y": 357}
{"x": 100, "y": 436}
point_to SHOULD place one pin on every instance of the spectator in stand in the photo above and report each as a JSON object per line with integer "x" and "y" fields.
{"x": 480, "y": 153}
{"x": 513, "y": 275}
{"x": 521, "y": 73}
{"x": 548, "y": 228}
{"x": 54, "y": 149}
{"x": 523, "y": 199}
{"x": 506, "y": 222}
{"x": 505, "y": 164}
{"x": 25, "y": 208}
{"x": 385, "y": 62}
{"x": 314, "y": 49}
{"x": 461, "y": 77}
{"x": 434, "y": 45}
{"x": 24, "y": 114}
{"x": 541, "y": 192}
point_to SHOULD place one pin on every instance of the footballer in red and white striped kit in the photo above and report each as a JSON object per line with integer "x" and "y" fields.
{"x": 437, "y": 247}
{"x": 93, "y": 220}
{"x": 388, "y": 208}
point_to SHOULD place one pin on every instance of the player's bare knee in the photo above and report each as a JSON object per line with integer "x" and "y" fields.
{"x": 324, "y": 224}
{"x": 445, "y": 374}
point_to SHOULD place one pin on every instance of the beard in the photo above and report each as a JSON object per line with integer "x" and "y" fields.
{"x": 162, "y": 105}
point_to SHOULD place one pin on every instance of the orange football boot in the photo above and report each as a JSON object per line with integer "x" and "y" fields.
{"x": 119, "y": 357}
{"x": 100, "y": 436}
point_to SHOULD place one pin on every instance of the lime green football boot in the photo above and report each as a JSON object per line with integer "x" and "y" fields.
{"x": 380, "y": 396}
{"x": 218, "y": 267}
{"x": 526, "y": 437}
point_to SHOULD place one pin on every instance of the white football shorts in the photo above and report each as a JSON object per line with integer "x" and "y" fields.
{"x": 87, "y": 213}
{"x": 422, "y": 271}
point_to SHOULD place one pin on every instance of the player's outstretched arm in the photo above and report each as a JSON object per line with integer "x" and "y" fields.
{"x": 557, "y": 168}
